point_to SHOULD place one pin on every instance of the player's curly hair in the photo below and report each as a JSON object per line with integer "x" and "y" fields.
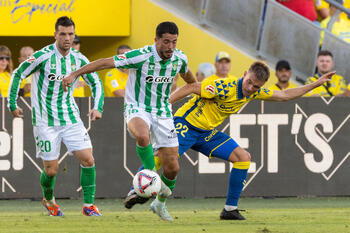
{"x": 260, "y": 70}
{"x": 64, "y": 21}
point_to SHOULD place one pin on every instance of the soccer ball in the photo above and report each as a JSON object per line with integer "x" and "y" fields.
{"x": 146, "y": 183}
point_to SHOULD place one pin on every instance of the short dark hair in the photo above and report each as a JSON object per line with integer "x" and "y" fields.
{"x": 260, "y": 70}
{"x": 124, "y": 46}
{"x": 324, "y": 53}
{"x": 166, "y": 27}
{"x": 64, "y": 21}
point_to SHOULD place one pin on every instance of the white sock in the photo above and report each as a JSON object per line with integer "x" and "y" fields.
{"x": 130, "y": 192}
{"x": 230, "y": 207}
{"x": 87, "y": 205}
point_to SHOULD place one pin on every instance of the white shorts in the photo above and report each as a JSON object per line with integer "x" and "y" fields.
{"x": 162, "y": 130}
{"x": 48, "y": 139}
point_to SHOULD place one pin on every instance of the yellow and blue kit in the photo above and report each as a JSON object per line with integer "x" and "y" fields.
{"x": 195, "y": 121}
{"x": 277, "y": 87}
{"x": 114, "y": 80}
{"x": 336, "y": 86}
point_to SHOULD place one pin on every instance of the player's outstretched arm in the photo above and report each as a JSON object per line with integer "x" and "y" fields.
{"x": 293, "y": 93}
{"x": 182, "y": 92}
{"x": 100, "y": 64}
{"x": 188, "y": 77}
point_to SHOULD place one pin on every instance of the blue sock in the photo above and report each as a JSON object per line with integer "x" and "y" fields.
{"x": 140, "y": 169}
{"x": 237, "y": 180}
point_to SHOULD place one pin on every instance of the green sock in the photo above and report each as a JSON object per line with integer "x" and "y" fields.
{"x": 169, "y": 183}
{"x": 47, "y": 185}
{"x": 146, "y": 156}
{"x": 87, "y": 182}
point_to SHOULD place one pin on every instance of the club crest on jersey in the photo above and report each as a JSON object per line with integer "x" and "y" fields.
{"x": 174, "y": 66}
{"x": 162, "y": 79}
{"x": 31, "y": 59}
{"x": 54, "y": 77}
{"x": 74, "y": 67}
{"x": 210, "y": 89}
{"x": 151, "y": 67}
{"x": 52, "y": 66}
{"x": 121, "y": 56}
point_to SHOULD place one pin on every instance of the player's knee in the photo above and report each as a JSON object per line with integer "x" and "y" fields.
{"x": 88, "y": 162}
{"x": 245, "y": 157}
{"x": 142, "y": 139}
{"x": 51, "y": 171}
{"x": 171, "y": 168}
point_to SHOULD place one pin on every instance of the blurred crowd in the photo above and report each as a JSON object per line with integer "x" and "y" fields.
{"x": 318, "y": 11}
{"x": 323, "y": 14}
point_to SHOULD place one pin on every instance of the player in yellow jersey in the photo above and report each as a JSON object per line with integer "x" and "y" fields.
{"x": 215, "y": 100}
{"x": 115, "y": 79}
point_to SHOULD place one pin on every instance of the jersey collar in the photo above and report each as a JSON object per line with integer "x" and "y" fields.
{"x": 59, "y": 55}
{"x": 157, "y": 58}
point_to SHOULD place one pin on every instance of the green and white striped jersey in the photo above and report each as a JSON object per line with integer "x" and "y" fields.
{"x": 51, "y": 106}
{"x": 150, "y": 78}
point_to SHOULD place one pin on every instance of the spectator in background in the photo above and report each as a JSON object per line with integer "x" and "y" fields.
{"x": 76, "y": 43}
{"x": 341, "y": 26}
{"x": 79, "y": 90}
{"x": 305, "y": 8}
{"x": 115, "y": 79}
{"x": 24, "y": 53}
{"x": 204, "y": 70}
{"x": 325, "y": 64}
{"x": 322, "y": 9}
{"x": 222, "y": 66}
{"x": 347, "y": 91}
{"x": 6, "y": 68}
{"x": 283, "y": 73}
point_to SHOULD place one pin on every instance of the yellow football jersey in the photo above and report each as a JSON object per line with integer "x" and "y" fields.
{"x": 219, "y": 99}
{"x": 278, "y": 88}
{"x": 5, "y": 79}
{"x": 28, "y": 81}
{"x": 215, "y": 77}
{"x": 334, "y": 87}
{"x": 114, "y": 80}
{"x": 79, "y": 91}
{"x": 340, "y": 28}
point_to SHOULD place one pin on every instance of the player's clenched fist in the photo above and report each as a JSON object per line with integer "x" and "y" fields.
{"x": 67, "y": 81}
{"x": 18, "y": 112}
{"x": 94, "y": 115}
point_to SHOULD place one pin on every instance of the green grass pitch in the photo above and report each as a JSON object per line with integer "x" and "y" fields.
{"x": 190, "y": 215}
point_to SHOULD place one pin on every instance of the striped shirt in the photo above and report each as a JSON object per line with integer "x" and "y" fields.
{"x": 51, "y": 106}
{"x": 150, "y": 78}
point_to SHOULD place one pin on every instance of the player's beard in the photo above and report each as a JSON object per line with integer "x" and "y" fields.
{"x": 164, "y": 57}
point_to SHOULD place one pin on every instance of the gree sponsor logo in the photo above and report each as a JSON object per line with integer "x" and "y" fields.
{"x": 161, "y": 79}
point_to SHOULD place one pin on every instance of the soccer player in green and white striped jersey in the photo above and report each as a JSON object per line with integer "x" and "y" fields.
{"x": 55, "y": 114}
{"x": 147, "y": 111}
